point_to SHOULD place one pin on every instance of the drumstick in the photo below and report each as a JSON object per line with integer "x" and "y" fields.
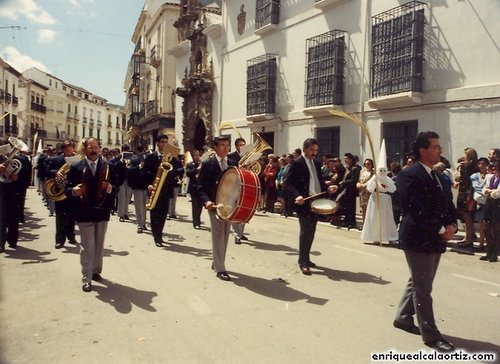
{"x": 316, "y": 195}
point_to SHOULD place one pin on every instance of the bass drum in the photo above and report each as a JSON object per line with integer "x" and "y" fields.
{"x": 324, "y": 206}
{"x": 238, "y": 194}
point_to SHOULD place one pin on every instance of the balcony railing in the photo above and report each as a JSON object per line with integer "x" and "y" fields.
{"x": 38, "y": 107}
{"x": 8, "y": 97}
{"x": 267, "y": 13}
{"x": 155, "y": 56}
{"x": 15, "y": 100}
{"x": 261, "y": 84}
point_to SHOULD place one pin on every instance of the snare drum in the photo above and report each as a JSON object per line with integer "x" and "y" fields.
{"x": 324, "y": 206}
{"x": 238, "y": 194}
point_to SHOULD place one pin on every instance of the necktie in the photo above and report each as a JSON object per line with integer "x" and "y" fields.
{"x": 317, "y": 188}
{"x": 436, "y": 180}
{"x": 92, "y": 168}
{"x": 223, "y": 164}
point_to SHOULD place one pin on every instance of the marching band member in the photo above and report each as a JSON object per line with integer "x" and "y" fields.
{"x": 304, "y": 179}
{"x": 91, "y": 183}
{"x": 125, "y": 192}
{"x": 210, "y": 172}
{"x": 152, "y": 162}
{"x": 139, "y": 186}
{"x": 238, "y": 228}
{"x": 192, "y": 172}
{"x": 65, "y": 217}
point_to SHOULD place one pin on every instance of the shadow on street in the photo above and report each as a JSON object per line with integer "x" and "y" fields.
{"x": 29, "y": 256}
{"x": 122, "y": 298}
{"x": 343, "y": 275}
{"x": 276, "y": 288}
{"x": 475, "y": 346}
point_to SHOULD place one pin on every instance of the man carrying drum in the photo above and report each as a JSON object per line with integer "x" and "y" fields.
{"x": 302, "y": 181}
{"x": 211, "y": 171}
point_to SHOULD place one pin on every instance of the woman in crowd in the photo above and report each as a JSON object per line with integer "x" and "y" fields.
{"x": 465, "y": 203}
{"x": 478, "y": 181}
{"x": 492, "y": 211}
{"x": 270, "y": 173}
{"x": 364, "y": 195}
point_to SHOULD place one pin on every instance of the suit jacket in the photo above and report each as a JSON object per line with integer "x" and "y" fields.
{"x": 296, "y": 182}
{"x": 234, "y": 156}
{"x": 208, "y": 178}
{"x": 89, "y": 209}
{"x": 425, "y": 208}
{"x": 150, "y": 168}
{"x": 192, "y": 173}
{"x": 52, "y": 165}
{"x": 136, "y": 178}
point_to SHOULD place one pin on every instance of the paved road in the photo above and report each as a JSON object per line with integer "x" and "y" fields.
{"x": 166, "y": 305}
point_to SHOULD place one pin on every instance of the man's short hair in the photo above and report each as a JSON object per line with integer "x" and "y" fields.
{"x": 310, "y": 142}
{"x": 86, "y": 142}
{"x": 238, "y": 140}
{"x": 160, "y": 137}
{"x": 217, "y": 140}
{"x": 350, "y": 156}
{"x": 67, "y": 143}
{"x": 422, "y": 141}
{"x": 483, "y": 159}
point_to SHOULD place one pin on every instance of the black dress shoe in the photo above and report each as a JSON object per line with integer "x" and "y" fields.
{"x": 485, "y": 258}
{"x": 73, "y": 242}
{"x": 126, "y": 217}
{"x": 224, "y": 276}
{"x": 96, "y": 277}
{"x": 493, "y": 259}
{"x": 237, "y": 241}
{"x": 122, "y": 219}
{"x": 311, "y": 264}
{"x": 86, "y": 287}
{"x": 59, "y": 245}
{"x": 197, "y": 227}
{"x": 139, "y": 230}
{"x": 412, "y": 329}
{"x": 305, "y": 270}
{"x": 159, "y": 243}
{"x": 441, "y": 345}
{"x": 244, "y": 238}
{"x": 14, "y": 246}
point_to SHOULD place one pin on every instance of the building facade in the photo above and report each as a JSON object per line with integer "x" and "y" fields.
{"x": 280, "y": 69}
{"x": 9, "y": 101}
{"x": 150, "y": 80}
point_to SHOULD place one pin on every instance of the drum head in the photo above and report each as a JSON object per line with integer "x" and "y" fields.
{"x": 228, "y": 193}
{"x": 324, "y": 206}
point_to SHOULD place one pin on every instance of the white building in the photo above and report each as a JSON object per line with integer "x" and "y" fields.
{"x": 9, "y": 101}
{"x": 72, "y": 112}
{"x": 399, "y": 66}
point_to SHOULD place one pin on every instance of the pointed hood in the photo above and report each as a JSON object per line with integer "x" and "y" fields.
{"x": 382, "y": 157}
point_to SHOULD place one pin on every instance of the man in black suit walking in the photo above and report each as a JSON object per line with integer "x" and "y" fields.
{"x": 304, "y": 179}
{"x": 91, "y": 183}
{"x": 210, "y": 172}
{"x": 429, "y": 220}
{"x": 152, "y": 162}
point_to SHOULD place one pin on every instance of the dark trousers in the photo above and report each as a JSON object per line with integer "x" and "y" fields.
{"x": 307, "y": 222}
{"x": 417, "y": 299}
{"x": 349, "y": 210}
{"x": 492, "y": 238}
{"x": 196, "y": 208}
{"x": 65, "y": 222}
{"x": 158, "y": 215}
{"x": 9, "y": 215}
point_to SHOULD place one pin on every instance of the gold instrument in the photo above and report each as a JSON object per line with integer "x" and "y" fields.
{"x": 250, "y": 160}
{"x": 54, "y": 187}
{"x": 13, "y": 165}
{"x": 161, "y": 174}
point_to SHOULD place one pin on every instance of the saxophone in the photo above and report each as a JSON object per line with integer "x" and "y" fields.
{"x": 161, "y": 176}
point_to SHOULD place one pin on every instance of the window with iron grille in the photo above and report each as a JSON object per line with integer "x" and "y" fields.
{"x": 261, "y": 84}
{"x": 397, "y": 50}
{"x": 267, "y": 12}
{"x": 329, "y": 140}
{"x": 398, "y": 138}
{"x": 325, "y": 69}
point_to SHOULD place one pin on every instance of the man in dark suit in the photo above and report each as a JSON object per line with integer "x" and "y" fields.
{"x": 235, "y": 156}
{"x": 428, "y": 221}
{"x": 152, "y": 162}
{"x": 65, "y": 212}
{"x": 91, "y": 184}
{"x": 139, "y": 186}
{"x": 10, "y": 201}
{"x": 302, "y": 180}
{"x": 348, "y": 191}
{"x": 210, "y": 172}
{"x": 192, "y": 172}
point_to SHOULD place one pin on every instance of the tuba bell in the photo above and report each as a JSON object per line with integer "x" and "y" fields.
{"x": 13, "y": 165}
{"x": 55, "y": 187}
{"x": 250, "y": 159}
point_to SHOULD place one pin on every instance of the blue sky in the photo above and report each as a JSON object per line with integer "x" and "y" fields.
{"x": 83, "y": 42}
